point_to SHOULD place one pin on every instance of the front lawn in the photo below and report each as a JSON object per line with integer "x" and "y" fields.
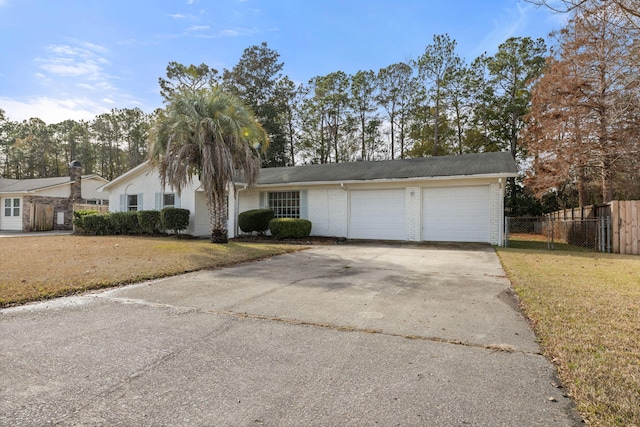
{"x": 34, "y": 268}
{"x": 585, "y": 310}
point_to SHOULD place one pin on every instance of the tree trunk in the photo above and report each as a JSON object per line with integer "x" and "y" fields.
{"x": 217, "y": 209}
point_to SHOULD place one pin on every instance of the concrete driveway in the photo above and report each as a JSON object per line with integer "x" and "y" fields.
{"x": 344, "y": 335}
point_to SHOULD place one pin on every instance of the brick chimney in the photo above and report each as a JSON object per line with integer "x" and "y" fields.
{"x": 75, "y": 173}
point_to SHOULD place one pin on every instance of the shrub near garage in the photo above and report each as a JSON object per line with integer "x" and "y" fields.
{"x": 290, "y": 228}
{"x": 255, "y": 220}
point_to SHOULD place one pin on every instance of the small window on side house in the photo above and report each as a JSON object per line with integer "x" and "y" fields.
{"x": 132, "y": 202}
{"x": 169, "y": 200}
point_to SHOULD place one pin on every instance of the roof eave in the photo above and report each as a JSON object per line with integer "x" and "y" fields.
{"x": 392, "y": 180}
{"x": 125, "y": 176}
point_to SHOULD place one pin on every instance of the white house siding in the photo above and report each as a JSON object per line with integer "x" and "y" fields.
{"x": 328, "y": 211}
{"x": 496, "y": 200}
{"x": 413, "y": 209}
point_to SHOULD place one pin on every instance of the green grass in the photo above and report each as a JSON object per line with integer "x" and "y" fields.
{"x": 35, "y": 268}
{"x": 585, "y": 310}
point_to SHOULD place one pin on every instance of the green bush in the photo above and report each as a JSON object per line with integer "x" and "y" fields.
{"x": 255, "y": 220}
{"x": 125, "y": 222}
{"x": 149, "y": 221}
{"x": 97, "y": 224}
{"x": 174, "y": 219}
{"x": 290, "y": 228}
{"x": 78, "y": 219}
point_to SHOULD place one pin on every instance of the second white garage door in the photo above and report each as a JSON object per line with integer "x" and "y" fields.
{"x": 377, "y": 214}
{"x": 456, "y": 214}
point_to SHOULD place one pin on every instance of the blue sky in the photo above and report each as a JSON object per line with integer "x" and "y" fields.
{"x": 74, "y": 59}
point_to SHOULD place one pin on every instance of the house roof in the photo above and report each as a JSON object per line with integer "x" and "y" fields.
{"x": 465, "y": 165}
{"x": 31, "y": 185}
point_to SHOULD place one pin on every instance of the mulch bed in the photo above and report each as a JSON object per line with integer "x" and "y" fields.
{"x": 311, "y": 240}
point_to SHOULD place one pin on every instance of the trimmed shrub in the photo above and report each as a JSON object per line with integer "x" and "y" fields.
{"x": 290, "y": 228}
{"x": 255, "y": 220}
{"x": 78, "y": 219}
{"x": 174, "y": 219}
{"x": 97, "y": 224}
{"x": 149, "y": 221}
{"x": 124, "y": 222}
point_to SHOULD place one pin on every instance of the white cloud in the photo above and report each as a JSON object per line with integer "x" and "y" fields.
{"x": 84, "y": 61}
{"x": 52, "y": 110}
{"x": 198, "y": 28}
{"x": 177, "y": 16}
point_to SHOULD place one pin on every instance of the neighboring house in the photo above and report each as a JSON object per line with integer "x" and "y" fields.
{"x": 450, "y": 198}
{"x": 46, "y": 203}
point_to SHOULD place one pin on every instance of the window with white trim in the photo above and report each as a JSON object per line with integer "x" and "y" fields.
{"x": 12, "y": 206}
{"x": 169, "y": 200}
{"x": 285, "y": 204}
{"x": 132, "y": 202}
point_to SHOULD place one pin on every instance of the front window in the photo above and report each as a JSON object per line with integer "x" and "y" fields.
{"x": 169, "y": 200}
{"x": 132, "y": 202}
{"x": 12, "y": 206}
{"x": 285, "y": 204}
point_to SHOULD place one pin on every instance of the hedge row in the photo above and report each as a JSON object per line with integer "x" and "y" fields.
{"x": 89, "y": 222}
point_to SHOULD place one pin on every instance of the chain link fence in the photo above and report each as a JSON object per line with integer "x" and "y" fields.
{"x": 579, "y": 234}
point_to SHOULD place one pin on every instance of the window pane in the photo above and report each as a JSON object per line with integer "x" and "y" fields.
{"x": 16, "y": 203}
{"x": 132, "y": 202}
{"x": 285, "y": 204}
{"x": 168, "y": 200}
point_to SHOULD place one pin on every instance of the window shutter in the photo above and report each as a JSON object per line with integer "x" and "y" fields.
{"x": 140, "y": 202}
{"x": 158, "y": 201}
{"x": 123, "y": 202}
{"x": 176, "y": 200}
{"x": 304, "y": 210}
{"x": 263, "y": 200}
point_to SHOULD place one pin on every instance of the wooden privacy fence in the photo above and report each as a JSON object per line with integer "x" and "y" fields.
{"x": 90, "y": 207}
{"x": 41, "y": 217}
{"x": 625, "y": 221}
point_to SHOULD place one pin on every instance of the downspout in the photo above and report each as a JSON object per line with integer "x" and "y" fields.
{"x": 501, "y": 235}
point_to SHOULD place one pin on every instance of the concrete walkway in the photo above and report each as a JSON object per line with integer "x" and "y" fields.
{"x": 342, "y": 335}
{"x": 7, "y": 233}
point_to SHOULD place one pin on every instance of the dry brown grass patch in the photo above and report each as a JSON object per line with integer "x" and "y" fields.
{"x": 585, "y": 309}
{"x": 48, "y": 266}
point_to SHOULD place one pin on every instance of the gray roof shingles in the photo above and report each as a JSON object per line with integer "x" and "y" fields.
{"x": 500, "y": 163}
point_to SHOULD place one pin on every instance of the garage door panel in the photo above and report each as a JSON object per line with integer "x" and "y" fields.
{"x": 456, "y": 214}
{"x": 377, "y": 214}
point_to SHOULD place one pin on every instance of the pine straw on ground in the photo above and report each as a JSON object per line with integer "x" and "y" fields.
{"x": 585, "y": 309}
{"x": 33, "y": 268}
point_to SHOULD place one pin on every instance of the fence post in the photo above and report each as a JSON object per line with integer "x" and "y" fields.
{"x": 506, "y": 232}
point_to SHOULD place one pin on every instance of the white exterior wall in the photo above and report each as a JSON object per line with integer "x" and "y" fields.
{"x": 89, "y": 188}
{"x": 413, "y": 213}
{"x": 328, "y": 205}
{"x": 58, "y": 191}
{"x": 496, "y": 200}
{"x": 146, "y": 184}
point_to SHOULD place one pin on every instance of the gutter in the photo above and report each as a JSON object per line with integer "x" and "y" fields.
{"x": 390, "y": 180}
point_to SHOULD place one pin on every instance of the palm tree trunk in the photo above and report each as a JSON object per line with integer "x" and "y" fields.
{"x": 217, "y": 209}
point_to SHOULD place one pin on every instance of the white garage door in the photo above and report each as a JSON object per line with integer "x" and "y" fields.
{"x": 377, "y": 214}
{"x": 456, "y": 214}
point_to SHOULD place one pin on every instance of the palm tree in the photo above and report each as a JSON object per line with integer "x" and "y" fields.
{"x": 212, "y": 135}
